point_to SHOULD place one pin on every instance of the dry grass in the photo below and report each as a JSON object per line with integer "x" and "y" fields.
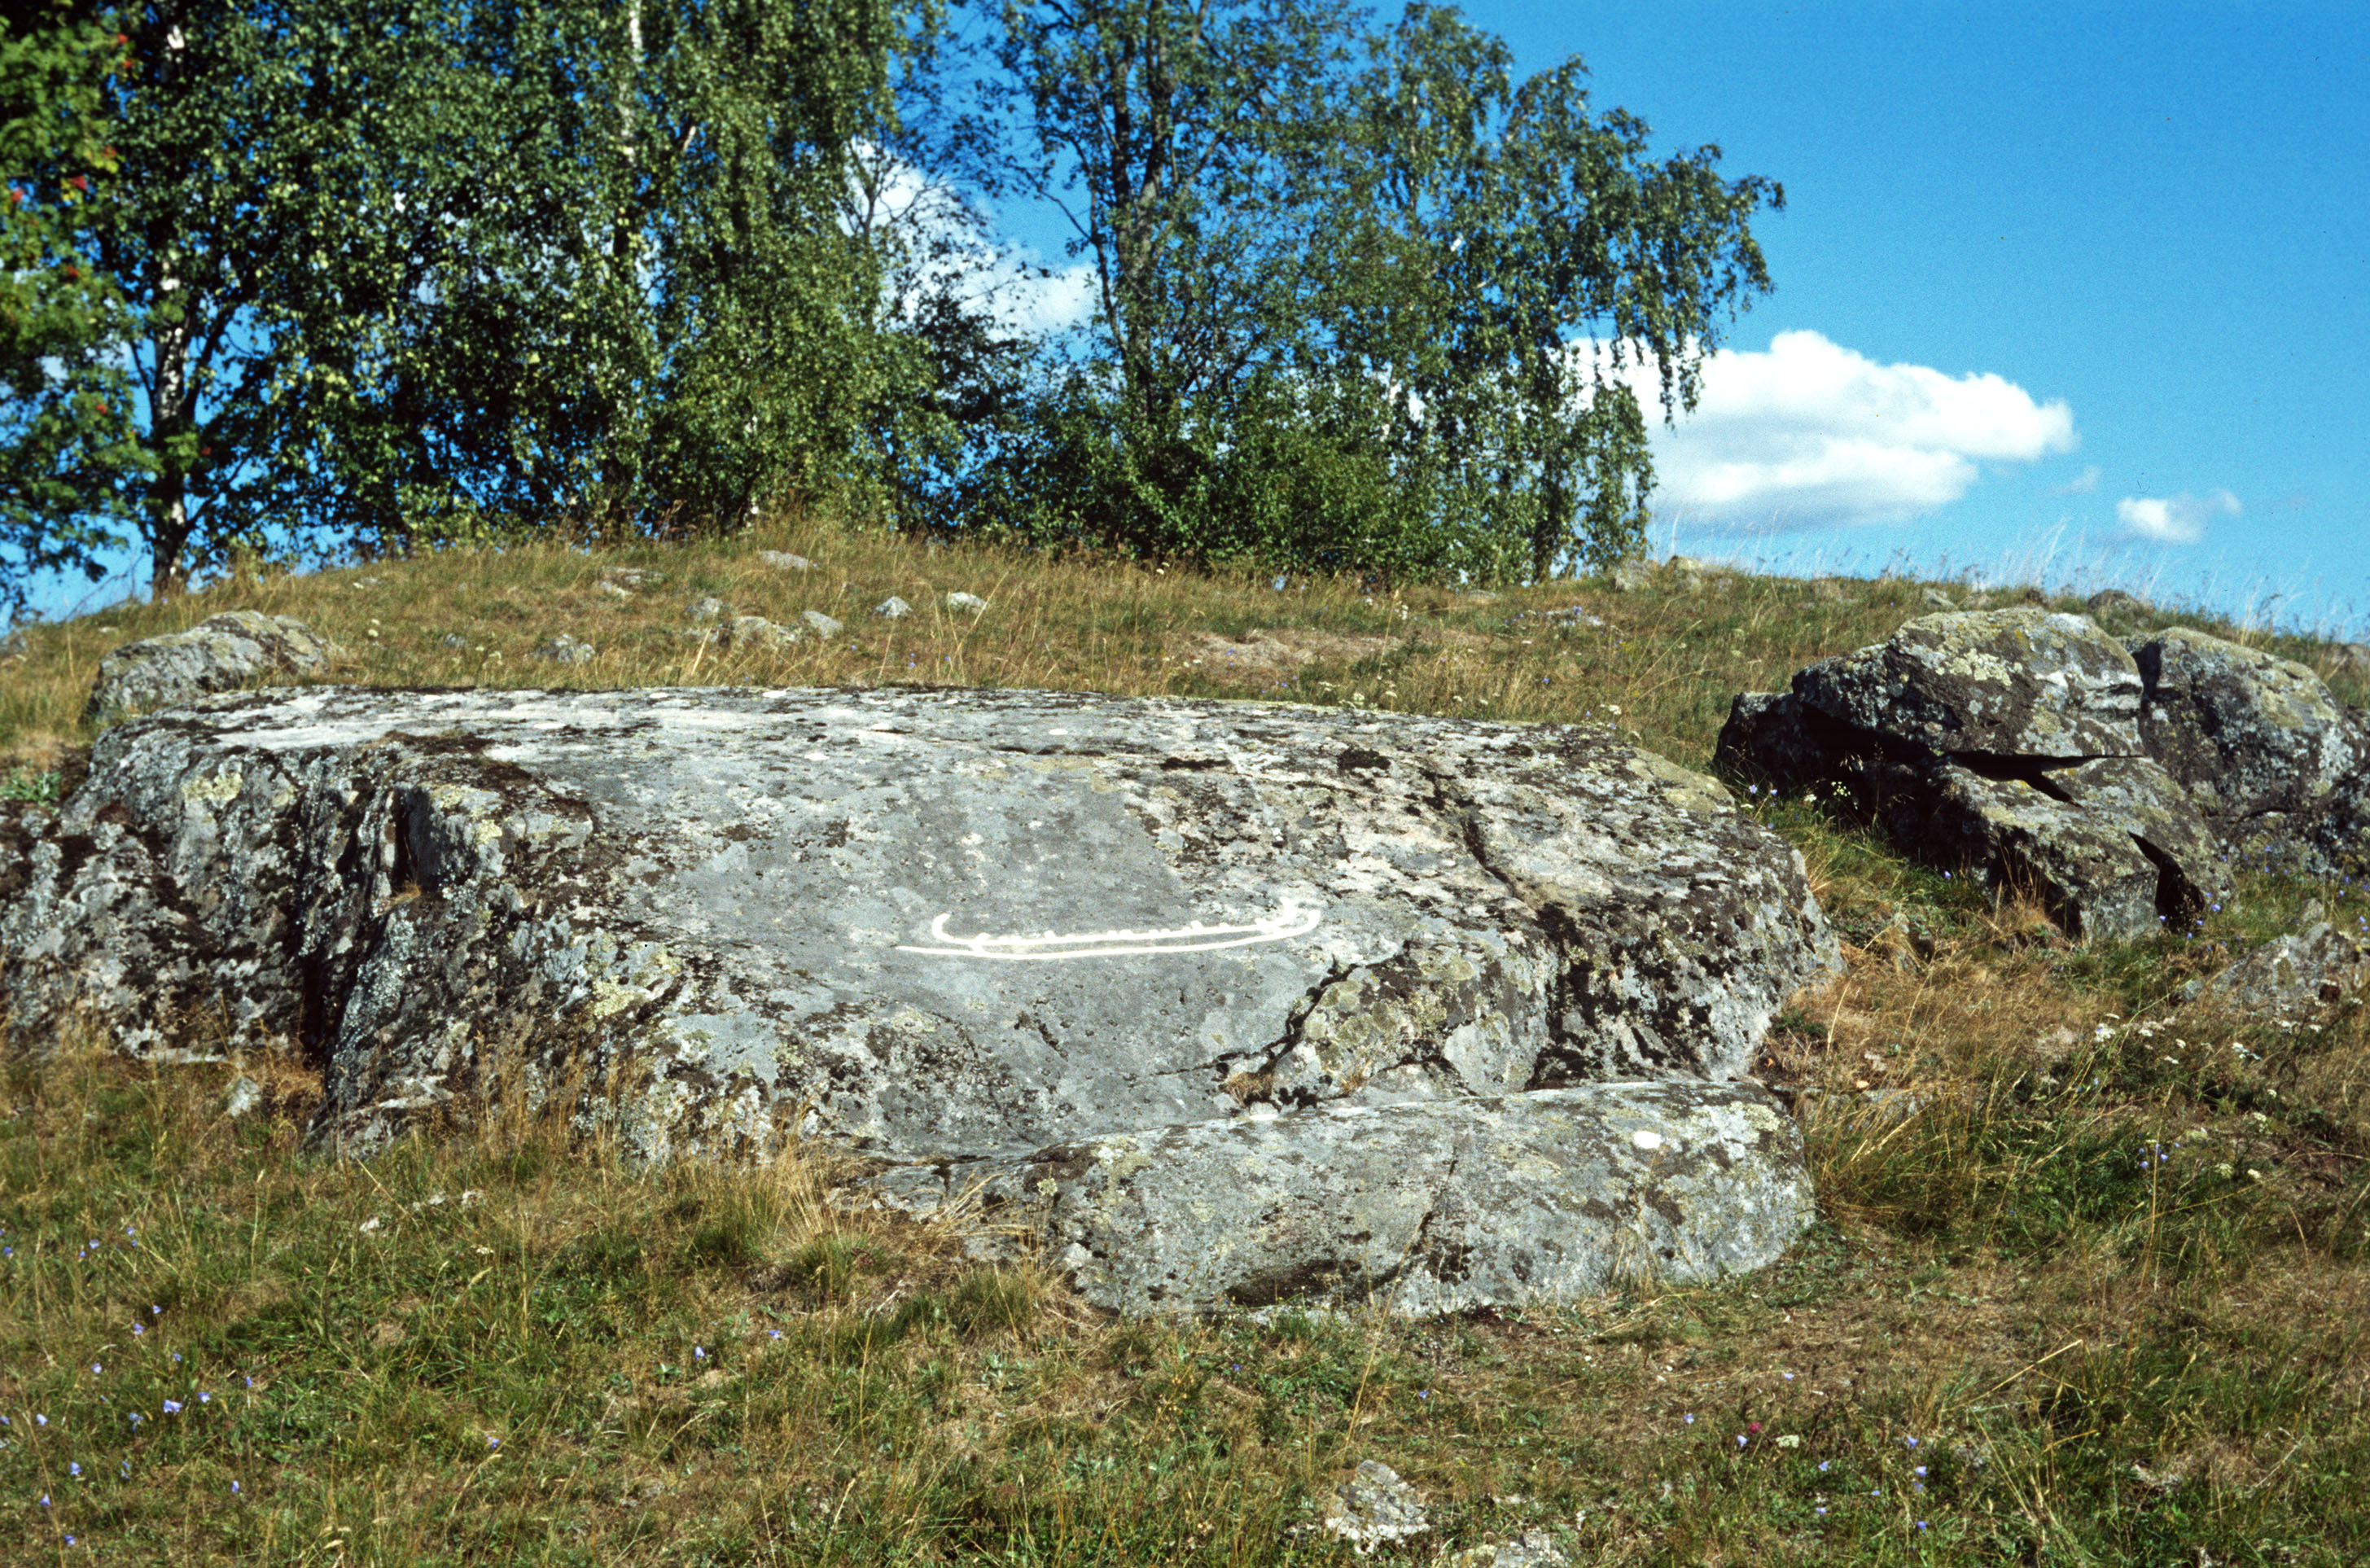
{"x": 2102, "y": 1356}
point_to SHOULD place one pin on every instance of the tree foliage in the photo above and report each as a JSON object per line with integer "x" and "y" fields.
{"x": 63, "y": 406}
{"x": 380, "y": 272}
{"x": 1365, "y": 266}
{"x": 326, "y": 277}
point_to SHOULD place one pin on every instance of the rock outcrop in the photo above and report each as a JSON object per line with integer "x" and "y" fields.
{"x": 2276, "y": 763}
{"x": 221, "y": 653}
{"x": 1166, "y": 970}
{"x": 2115, "y": 779}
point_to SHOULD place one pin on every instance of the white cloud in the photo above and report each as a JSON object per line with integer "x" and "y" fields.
{"x": 1037, "y": 300}
{"x": 2082, "y": 483}
{"x": 2173, "y": 520}
{"x": 951, "y": 242}
{"x": 1810, "y": 433}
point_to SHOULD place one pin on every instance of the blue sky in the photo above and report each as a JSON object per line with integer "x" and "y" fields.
{"x": 2150, "y": 221}
{"x": 2072, "y": 294}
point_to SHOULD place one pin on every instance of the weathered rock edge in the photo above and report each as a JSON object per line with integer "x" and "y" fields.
{"x": 1423, "y": 1207}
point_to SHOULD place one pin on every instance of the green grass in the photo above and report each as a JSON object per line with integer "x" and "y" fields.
{"x": 2091, "y": 1255}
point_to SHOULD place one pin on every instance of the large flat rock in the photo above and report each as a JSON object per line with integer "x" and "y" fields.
{"x": 1232, "y": 1000}
{"x": 927, "y": 924}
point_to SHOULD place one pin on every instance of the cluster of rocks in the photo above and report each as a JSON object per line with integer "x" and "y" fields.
{"x": 245, "y": 648}
{"x": 2119, "y": 780}
{"x": 1213, "y": 1002}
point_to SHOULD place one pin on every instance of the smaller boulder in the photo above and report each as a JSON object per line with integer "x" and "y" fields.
{"x": 893, "y": 608}
{"x": 756, "y": 632}
{"x": 222, "y": 653}
{"x": 2000, "y": 683}
{"x": 822, "y": 624}
{"x": 564, "y": 650}
{"x": 2114, "y": 602}
{"x": 2246, "y": 732}
{"x": 705, "y": 610}
{"x": 971, "y": 603}
{"x": 632, "y": 577}
{"x": 784, "y": 561}
{"x": 613, "y": 590}
{"x": 1375, "y": 1507}
{"x": 245, "y": 1096}
{"x": 453, "y": 640}
{"x": 1938, "y": 599}
{"x": 2109, "y": 847}
{"x": 2315, "y": 966}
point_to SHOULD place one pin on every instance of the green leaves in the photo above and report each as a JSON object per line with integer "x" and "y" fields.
{"x": 379, "y": 274}
{"x": 1441, "y": 278}
{"x": 64, "y": 410}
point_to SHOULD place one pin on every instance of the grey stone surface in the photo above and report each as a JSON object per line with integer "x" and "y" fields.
{"x": 893, "y": 608}
{"x": 564, "y": 650}
{"x": 1532, "y": 1549}
{"x": 1374, "y": 1508}
{"x": 784, "y": 561}
{"x": 614, "y": 590}
{"x": 2108, "y": 846}
{"x": 2031, "y": 748}
{"x": 944, "y": 926}
{"x": 1424, "y": 1206}
{"x": 2311, "y": 967}
{"x": 755, "y": 632}
{"x": 970, "y": 601}
{"x": 245, "y": 1096}
{"x": 2019, "y": 682}
{"x": 220, "y": 654}
{"x": 705, "y": 608}
{"x": 822, "y": 624}
{"x": 2259, "y": 743}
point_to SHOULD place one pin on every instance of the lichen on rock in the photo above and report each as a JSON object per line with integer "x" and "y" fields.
{"x": 928, "y": 926}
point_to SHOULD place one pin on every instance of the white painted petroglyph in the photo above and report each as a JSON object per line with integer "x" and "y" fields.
{"x": 1289, "y": 919}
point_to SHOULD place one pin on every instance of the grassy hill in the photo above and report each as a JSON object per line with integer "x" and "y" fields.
{"x": 2091, "y": 1284}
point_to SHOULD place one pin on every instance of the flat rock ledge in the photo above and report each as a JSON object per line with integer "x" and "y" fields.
{"x": 1424, "y": 1208}
{"x": 946, "y": 926}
